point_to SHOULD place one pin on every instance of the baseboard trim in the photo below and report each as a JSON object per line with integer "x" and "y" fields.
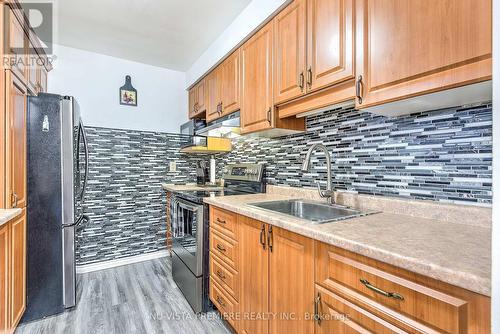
{"x": 87, "y": 268}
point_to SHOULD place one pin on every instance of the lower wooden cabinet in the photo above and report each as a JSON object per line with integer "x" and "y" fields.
{"x": 288, "y": 283}
{"x": 13, "y": 273}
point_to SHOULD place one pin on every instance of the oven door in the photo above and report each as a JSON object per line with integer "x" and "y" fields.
{"x": 187, "y": 234}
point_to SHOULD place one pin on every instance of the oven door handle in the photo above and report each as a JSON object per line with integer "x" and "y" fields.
{"x": 187, "y": 205}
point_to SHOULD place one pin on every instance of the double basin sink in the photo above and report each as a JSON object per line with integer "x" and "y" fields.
{"x": 314, "y": 212}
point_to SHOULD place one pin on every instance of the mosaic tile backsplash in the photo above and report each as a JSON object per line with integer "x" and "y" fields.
{"x": 442, "y": 155}
{"x": 124, "y": 200}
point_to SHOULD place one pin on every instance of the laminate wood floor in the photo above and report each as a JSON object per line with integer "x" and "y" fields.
{"x": 137, "y": 298}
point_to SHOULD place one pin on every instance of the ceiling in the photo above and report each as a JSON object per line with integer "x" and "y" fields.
{"x": 166, "y": 33}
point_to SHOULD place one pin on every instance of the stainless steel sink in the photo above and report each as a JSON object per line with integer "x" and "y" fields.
{"x": 316, "y": 213}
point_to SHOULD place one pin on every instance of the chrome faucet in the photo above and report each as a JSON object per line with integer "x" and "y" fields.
{"x": 328, "y": 193}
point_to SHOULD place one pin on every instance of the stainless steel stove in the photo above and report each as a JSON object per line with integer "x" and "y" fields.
{"x": 190, "y": 230}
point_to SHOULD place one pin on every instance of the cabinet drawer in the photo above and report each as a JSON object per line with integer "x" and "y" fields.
{"x": 224, "y": 248}
{"x": 389, "y": 292}
{"x": 225, "y": 304}
{"x": 225, "y": 277}
{"x": 338, "y": 315}
{"x": 224, "y": 221}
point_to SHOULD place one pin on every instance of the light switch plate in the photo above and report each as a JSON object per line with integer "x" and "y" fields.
{"x": 173, "y": 166}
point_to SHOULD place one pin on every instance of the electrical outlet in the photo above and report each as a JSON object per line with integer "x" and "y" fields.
{"x": 173, "y": 166}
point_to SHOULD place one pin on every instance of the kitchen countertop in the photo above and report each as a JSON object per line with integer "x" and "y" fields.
{"x": 454, "y": 253}
{"x": 7, "y": 215}
{"x": 187, "y": 187}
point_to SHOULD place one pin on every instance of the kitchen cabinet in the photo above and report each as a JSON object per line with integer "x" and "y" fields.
{"x": 314, "y": 55}
{"x": 257, "y": 99}
{"x": 257, "y": 107}
{"x": 291, "y": 281}
{"x": 17, "y": 269}
{"x": 42, "y": 79}
{"x": 13, "y": 273}
{"x": 290, "y": 52}
{"x": 213, "y": 82}
{"x": 33, "y": 72}
{"x": 197, "y": 105}
{"x": 366, "y": 295}
{"x": 15, "y": 155}
{"x": 254, "y": 276}
{"x": 16, "y": 45}
{"x": 230, "y": 84}
{"x": 409, "y": 48}
{"x": 326, "y": 289}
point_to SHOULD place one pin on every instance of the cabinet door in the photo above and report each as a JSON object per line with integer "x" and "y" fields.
{"x": 213, "y": 94}
{"x": 192, "y": 102}
{"x": 254, "y": 273}
{"x": 18, "y": 269}
{"x": 16, "y": 142}
{"x": 290, "y": 52}
{"x": 291, "y": 282}
{"x": 16, "y": 42}
{"x": 200, "y": 97}
{"x": 230, "y": 85}
{"x": 330, "y": 43}
{"x": 257, "y": 82}
{"x": 4, "y": 277}
{"x": 407, "y": 48}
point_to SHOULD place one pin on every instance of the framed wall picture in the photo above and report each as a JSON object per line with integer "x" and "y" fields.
{"x": 128, "y": 94}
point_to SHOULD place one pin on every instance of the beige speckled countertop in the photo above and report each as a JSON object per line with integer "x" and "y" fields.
{"x": 454, "y": 253}
{"x": 186, "y": 187}
{"x": 8, "y": 214}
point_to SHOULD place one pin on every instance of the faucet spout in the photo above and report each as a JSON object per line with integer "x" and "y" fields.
{"x": 306, "y": 165}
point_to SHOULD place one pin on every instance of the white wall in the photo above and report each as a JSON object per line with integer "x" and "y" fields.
{"x": 245, "y": 23}
{"x": 95, "y": 79}
{"x": 495, "y": 282}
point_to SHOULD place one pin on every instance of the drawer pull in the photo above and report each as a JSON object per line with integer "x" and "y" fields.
{"x": 380, "y": 291}
{"x": 317, "y": 304}
{"x": 220, "y": 221}
{"x": 221, "y": 275}
{"x": 221, "y": 248}
{"x": 220, "y": 301}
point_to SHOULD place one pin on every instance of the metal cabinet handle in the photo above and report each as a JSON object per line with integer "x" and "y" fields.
{"x": 269, "y": 115}
{"x": 220, "y": 301}
{"x": 218, "y": 220}
{"x": 309, "y": 76}
{"x": 359, "y": 84}
{"x": 270, "y": 238}
{"x": 15, "y": 200}
{"x": 317, "y": 302}
{"x": 221, "y": 108}
{"x": 262, "y": 237}
{"x": 380, "y": 291}
{"x": 301, "y": 81}
{"x": 221, "y": 248}
{"x": 221, "y": 275}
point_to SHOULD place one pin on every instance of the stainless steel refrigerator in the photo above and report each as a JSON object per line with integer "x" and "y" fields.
{"x": 57, "y": 180}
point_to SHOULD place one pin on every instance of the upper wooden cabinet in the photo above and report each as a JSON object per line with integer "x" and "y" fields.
{"x": 257, "y": 81}
{"x": 213, "y": 82}
{"x": 290, "y": 52}
{"x": 407, "y": 48}
{"x": 314, "y": 55}
{"x": 230, "y": 84}
{"x": 16, "y": 44}
{"x": 197, "y": 105}
{"x": 15, "y": 155}
{"x": 330, "y": 42}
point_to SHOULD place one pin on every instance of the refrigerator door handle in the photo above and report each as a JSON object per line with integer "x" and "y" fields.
{"x": 86, "y": 148}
